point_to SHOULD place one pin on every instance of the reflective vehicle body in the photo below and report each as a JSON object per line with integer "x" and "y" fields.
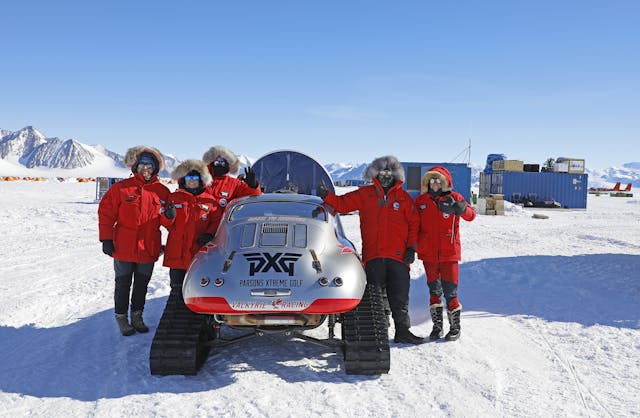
{"x": 277, "y": 259}
{"x": 279, "y": 263}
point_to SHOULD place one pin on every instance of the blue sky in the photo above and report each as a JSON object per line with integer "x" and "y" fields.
{"x": 344, "y": 81}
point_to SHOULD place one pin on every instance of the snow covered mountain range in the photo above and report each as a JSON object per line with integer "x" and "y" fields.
{"x": 29, "y": 152}
{"x": 30, "y": 149}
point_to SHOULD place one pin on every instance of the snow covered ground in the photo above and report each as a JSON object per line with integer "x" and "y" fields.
{"x": 550, "y": 326}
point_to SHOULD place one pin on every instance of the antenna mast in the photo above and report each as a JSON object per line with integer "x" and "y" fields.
{"x": 467, "y": 152}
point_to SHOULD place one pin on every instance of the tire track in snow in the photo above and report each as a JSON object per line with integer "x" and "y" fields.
{"x": 568, "y": 366}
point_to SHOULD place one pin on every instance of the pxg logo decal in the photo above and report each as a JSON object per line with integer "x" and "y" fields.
{"x": 279, "y": 262}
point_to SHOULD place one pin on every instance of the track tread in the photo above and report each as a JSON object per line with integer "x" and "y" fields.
{"x": 365, "y": 336}
{"x": 177, "y": 346}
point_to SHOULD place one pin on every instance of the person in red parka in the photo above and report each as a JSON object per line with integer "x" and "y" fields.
{"x": 191, "y": 217}
{"x": 129, "y": 229}
{"x": 440, "y": 210}
{"x": 389, "y": 229}
{"x": 221, "y": 161}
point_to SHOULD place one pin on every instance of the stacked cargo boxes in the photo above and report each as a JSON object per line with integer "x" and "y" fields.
{"x": 508, "y": 165}
{"x": 490, "y": 205}
{"x": 520, "y": 183}
{"x": 569, "y": 165}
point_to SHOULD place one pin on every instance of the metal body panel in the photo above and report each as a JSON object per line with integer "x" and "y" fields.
{"x": 570, "y": 190}
{"x": 295, "y": 243}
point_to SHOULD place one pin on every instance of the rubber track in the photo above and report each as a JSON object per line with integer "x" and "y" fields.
{"x": 177, "y": 346}
{"x": 365, "y": 336}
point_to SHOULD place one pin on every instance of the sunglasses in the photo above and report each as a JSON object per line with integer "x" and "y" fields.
{"x": 220, "y": 162}
{"x": 436, "y": 181}
{"x": 188, "y": 178}
{"x": 148, "y": 166}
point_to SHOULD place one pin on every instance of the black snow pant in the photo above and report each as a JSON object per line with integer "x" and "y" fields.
{"x": 393, "y": 276}
{"x": 126, "y": 272}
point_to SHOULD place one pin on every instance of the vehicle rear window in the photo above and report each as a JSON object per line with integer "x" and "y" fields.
{"x": 260, "y": 210}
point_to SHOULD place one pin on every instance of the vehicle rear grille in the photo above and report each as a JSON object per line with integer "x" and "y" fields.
{"x": 275, "y": 228}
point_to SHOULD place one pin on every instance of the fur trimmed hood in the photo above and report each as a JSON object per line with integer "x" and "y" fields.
{"x": 380, "y": 163}
{"x": 437, "y": 172}
{"x": 133, "y": 154}
{"x": 187, "y": 166}
{"x": 220, "y": 151}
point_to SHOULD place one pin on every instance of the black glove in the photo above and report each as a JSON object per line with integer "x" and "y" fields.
{"x": 170, "y": 211}
{"x": 250, "y": 177}
{"x": 107, "y": 247}
{"x": 409, "y": 255}
{"x": 204, "y": 238}
{"x": 322, "y": 191}
{"x": 459, "y": 207}
{"x": 446, "y": 205}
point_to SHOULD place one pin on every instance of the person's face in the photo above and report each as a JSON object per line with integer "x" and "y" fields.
{"x": 385, "y": 178}
{"x": 192, "y": 182}
{"x": 435, "y": 184}
{"x": 220, "y": 166}
{"x": 145, "y": 170}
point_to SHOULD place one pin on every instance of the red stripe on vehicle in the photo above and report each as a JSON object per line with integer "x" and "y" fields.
{"x": 219, "y": 305}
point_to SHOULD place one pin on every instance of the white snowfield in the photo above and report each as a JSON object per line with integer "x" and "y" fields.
{"x": 550, "y": 327}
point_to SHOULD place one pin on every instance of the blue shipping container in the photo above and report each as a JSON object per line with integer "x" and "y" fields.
{"x": 570, "y": 190}
{"x": 460, "y": 173}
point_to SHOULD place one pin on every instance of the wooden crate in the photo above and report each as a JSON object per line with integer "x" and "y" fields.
{"x": 576, "y": 166}
{"x": 508, "y": 165}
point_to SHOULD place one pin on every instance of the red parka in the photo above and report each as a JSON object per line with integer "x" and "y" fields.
{"x": 195, "y": 215}
{"x": 226, "y": 188}
{"x": 129, "y": 214}
{"x": 388, "y": 224}
{"x": 439, "y": 233}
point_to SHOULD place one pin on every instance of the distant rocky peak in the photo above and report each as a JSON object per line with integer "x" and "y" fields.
{"x": 21, "y": 143}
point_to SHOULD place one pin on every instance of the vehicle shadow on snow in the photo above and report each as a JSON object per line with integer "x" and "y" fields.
{"x": 587, "y": 289}
{"x": 89, "y": 360}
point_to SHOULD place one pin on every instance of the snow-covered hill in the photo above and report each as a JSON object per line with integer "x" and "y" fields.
{"x": 627, "y": 173}
{"x": 550, "y": 327}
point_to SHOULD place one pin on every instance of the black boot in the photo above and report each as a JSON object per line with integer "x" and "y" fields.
{"x": 454, "y": 325}
{"x": 405, "y": 336}
{"x": 436, "y": 317}
{"x": 137, "y": 322}
{"x": 123, "y": 323}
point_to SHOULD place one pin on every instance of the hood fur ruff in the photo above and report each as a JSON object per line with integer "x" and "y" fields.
{"x": 219, "y": 150}
{"x": 187, "y": 165}
{"x": 132, "y": 155}
{"x": 437, "y": 173}
{"x": 380, "y": 163}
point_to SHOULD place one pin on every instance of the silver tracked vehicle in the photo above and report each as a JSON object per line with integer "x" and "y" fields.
{"x": 280, "y": 263}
